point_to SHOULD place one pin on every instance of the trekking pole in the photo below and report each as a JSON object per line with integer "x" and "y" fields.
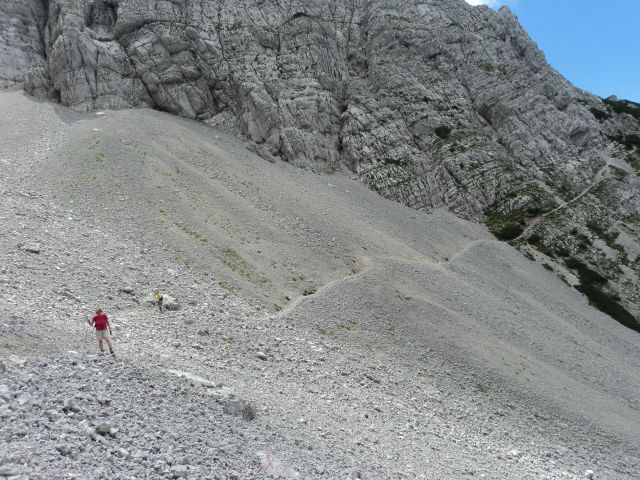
{"x": 86, "y": 335}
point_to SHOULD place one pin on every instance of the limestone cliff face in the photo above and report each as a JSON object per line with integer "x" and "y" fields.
{"x": 21, "y": 39}
{"x": 431, "y": 103}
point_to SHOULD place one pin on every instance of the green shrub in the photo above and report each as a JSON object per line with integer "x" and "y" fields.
{"x": 624, "y": 106}
{"x": 619, "y": 173}
{"x": 535, "y": 239}
{"x": 591, "y": 283}
{"x": 634, "y": 161}
{"x": 509, "y": 231}
{"x": 582, "y": 238}
{"x": 227, "y": 286}
{"x": 585, "y": 274}
{"x": 483, "y": 388}
{"x": 505, "y": 226}
{"x": 443, "y": 131}
{"x": 608, "y": 236}
{"x": 309, "y": 291}
{"x": 487, "y": 67}
{"x": 599, "y": 114}
{"x": 596, "y": 227}
{"x": 510, "y": 224}
{"x": 630, "y": 141}
{"x": 607, "y": 303}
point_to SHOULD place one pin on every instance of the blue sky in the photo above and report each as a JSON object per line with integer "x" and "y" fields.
{"x": 593, "y": 43}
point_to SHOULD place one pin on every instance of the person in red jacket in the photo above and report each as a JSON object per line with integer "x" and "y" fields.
{"x": 103, "y": 330}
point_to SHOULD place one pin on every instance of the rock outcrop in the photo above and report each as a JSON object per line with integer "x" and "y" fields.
{"x": 21, "y": 39}
{"x": 433, "y": 103}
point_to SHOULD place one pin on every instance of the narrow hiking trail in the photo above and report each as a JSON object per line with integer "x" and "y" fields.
{"x": 598, "y": 178}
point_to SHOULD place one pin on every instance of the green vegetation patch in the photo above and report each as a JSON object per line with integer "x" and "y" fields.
{"x": 487, "y": 67}
{"x": 309, "y": 291}
{"x": 599, "y": 114}
{"x": 591, "y": 284}
{"x": 192, "y": 233}
{"x": 607, "y": 304}
{"x": 601, "y": 231}
{"x": 483, "y": 388}
{"x": 227, "y": 286}
{"x": 619, "y": 173}
{"x": 239, "y": 265}
{"x": 506, "y": 226}
{"x": 630, "y": 140}
{"x": 529, "y": 202}
{"x": 443, "y": 131}
{"x": 538, "y": 242}
{"x": 624, "y": 106}
{"x": 348, "y": 325}
{"x": 634, "y": 161}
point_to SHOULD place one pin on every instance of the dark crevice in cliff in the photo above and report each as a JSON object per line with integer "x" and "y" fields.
{"x": 42, "y": 22}
{"x": 102, "y": 13}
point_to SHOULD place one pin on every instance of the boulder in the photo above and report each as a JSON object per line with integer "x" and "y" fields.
{"x": 170, "y": 303}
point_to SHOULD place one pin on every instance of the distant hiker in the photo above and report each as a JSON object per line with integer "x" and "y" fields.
{"x": 103, "y": 330}
{"x": 157, "y": 298}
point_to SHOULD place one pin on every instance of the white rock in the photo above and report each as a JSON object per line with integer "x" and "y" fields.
{"x": 179, "y": 471}
{"x": 170, "y": 303}
{"x": 104, "y": 429}
{"x": 124, "y": 453}
{"x": 69, "y": 405}
{"x": 32, "y": 248}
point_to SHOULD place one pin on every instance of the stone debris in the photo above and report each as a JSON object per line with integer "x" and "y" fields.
{"x": 179, "y": 471}
{"x": 239, "y": 408}
{"x": 262, "y": 356}
{"x": 170, "y": 303}
{"x": 69, "y": 405}
{"x": 275, "y": 468}
{"x": 32, "y": 248}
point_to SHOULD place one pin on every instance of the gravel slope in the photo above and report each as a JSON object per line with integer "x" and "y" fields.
{"x": 427, "y": 350}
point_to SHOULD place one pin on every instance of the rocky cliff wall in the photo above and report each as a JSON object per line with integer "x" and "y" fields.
{"x": 22, "y": 26}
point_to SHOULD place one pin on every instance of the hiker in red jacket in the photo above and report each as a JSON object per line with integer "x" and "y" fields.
{"x": 103, "y": 330}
